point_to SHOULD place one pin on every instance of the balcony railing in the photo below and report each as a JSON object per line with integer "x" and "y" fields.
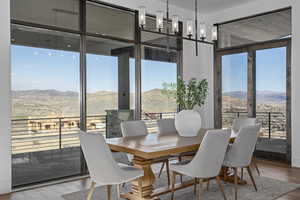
{"x": 151, "y": 118}
{"x": 273, "y": 123}
{"x": 43, "y": 134}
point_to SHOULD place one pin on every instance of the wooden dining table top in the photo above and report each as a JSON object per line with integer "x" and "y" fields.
{"x": 155, "y": 145}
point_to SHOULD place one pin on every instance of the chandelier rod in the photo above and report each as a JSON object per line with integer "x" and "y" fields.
{"x": 168, "y": 27}
{"x": 196, "y": 25}
{"x": 178, "y": 36}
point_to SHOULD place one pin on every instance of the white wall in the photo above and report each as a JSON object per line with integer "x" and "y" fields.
{"x": 296, "y": 84}
{"x": 256, "y": 7}
{"x": 5, "y": 147}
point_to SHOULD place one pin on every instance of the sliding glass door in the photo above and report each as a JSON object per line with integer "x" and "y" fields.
{"x": 234, "y": 87}
{"x": 45, "y": 105}
{"x": 255, "y": 82}
{"x": 271, "y": 99}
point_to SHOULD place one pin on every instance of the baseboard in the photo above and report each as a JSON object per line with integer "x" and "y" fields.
{"x": 295, "y": 162}
{"x": 4, "y": 187}
{"x": 65, "y": 180}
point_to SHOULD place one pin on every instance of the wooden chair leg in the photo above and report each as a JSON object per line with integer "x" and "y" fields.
{"x": 225, "y": 173}
{"x": 208, "y": 183}
{"x": 254, "y": 163}
{"x": 195, "y": 186}
{"x": 173, "y": 184}
{"x": 200, "y": 189}
{"x": 161, "y": 169}
{"x": 221, "y": 187}
{"x": 235, "y": 183}
{"x": 118, "y": 192}
{"x": 168, "y": 172}
{"x": 242, "y": 173}
{"x": 91, "y": 192}
{"x": 252, "y": 179}
{"x": 179, "y": 160}
{"x": 109, "y": 195}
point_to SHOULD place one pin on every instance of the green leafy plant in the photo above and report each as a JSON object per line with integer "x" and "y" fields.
{"x": 191, "y": 93}
{"x": 169, "y": 90}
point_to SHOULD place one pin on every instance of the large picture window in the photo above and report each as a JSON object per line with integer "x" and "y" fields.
{"x": 253, "y": 79}
{"x": 77, "y": 65}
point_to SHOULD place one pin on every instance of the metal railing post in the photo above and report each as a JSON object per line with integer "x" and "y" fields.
{"x": 59, "y": 128}
{"x": 269, "y": 125}
{"x": 106, "y": 120}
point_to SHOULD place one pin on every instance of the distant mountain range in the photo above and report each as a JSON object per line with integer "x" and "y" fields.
{"x": 60, "y": 103}
{"x": 261, "y": 96}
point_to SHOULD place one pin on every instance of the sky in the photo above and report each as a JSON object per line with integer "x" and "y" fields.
{"x": 43, "y": 69}
{"x": 37, "y": 68}
{"x": 270, "y": 71}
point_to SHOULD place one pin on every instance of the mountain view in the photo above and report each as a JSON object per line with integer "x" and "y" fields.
{"x": 267, "y": 101}
{"x": 57, "y": 103}
{"x": 46, "y": 103}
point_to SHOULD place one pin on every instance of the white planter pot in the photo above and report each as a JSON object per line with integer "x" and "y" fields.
{"x": 188, "y": 123}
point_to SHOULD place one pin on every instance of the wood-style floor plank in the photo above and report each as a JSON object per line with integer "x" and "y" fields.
{"x": 269, "y": 169}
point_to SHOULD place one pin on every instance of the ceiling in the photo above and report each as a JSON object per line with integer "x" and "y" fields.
{"x": 206, "y": 6}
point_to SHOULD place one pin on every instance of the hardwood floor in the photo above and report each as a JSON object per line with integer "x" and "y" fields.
{"x": 54, "y": 192}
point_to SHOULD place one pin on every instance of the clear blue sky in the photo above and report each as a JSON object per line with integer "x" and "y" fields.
{"x": 37, "y": 68}
{"x": 270, "y": 71}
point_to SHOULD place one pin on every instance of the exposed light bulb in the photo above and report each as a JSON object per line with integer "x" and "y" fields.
{"x": 202, "y": 31}
{"x": 175, "y": 23}
{"x": 189, "y": 28}
{"x": 159, "y": 20}
{"x": 214, "y": 33}
{"x": 142, "y": 16}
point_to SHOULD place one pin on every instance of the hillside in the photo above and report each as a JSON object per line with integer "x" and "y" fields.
{"x": 262, "y": 96}
{"x": 43, "y": 103}
{"x": 267, "y": 101}
{"x": 57, "y": 103}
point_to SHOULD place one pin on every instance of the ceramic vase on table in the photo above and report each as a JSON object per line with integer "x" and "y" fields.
{"x": 188, "y": 123}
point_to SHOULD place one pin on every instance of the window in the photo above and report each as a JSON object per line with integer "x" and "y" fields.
{"x": 275, "y": 25}
{"x": 50, "y": 49}
{"x": 107, "y": 21}
{"x": 45, "y": 105}
{"x": 271, "y": 98}
{"x": 110, "y": 85}
{"x": 234, "y": 87}
{"x": 159, "y": 81}
{"x": 60, "y": 13}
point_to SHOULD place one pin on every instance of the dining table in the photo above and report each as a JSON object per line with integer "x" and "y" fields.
{"x": 145, "y": 150}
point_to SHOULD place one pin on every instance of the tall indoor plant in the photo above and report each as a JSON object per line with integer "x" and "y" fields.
{"x": 189, "y": 95}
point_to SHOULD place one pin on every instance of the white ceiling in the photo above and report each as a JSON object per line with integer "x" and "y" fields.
{"x": 206, "y": 6}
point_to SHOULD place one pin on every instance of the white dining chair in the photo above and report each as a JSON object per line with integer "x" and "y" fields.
{"x": 167, "y": 126}
{"x": 103, "y": 169}
{"x": 139, "y": 128}
{"x": 207, "y": 162}
{"x": 239, "y": 123}
{"x": 239, "y": 154}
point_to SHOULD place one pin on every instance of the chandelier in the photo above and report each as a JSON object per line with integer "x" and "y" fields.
{"x": 172, "y": 27}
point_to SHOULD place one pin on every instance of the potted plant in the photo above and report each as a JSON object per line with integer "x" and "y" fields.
{"x": 189, "y": 95}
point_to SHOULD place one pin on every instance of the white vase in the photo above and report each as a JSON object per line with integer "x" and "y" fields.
{"x": 188, "y": 123}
